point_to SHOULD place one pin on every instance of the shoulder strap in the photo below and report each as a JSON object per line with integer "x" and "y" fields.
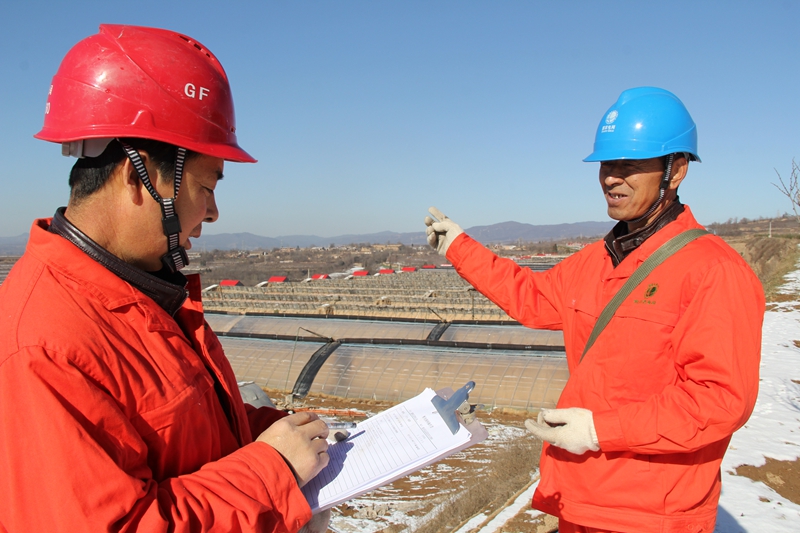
{"x": 657, "y": 257}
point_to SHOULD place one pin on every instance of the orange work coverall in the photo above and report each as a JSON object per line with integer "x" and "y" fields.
{"x": 669, "y": 380}
{"x": 110, "y": 418}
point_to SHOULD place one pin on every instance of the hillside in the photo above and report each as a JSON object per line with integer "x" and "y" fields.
{"x": 503, "y": 232}
{"x": 770, "y": 247}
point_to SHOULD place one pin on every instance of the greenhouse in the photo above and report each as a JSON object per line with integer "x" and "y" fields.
{"x": 513, "y": 367}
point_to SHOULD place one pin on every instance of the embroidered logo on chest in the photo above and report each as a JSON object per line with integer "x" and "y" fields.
{"x": 649, "y": 293}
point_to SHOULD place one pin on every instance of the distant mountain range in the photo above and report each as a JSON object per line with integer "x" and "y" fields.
{"x": 504, "y": 232}
{"x": 13, "y": 245}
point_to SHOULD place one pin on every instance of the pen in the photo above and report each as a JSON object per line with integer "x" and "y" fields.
{"x": 341, "y": 425}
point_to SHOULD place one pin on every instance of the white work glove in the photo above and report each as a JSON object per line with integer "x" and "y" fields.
{"x": 571, "y": 429}
{"x": 441, "y": 234}
{"x": 318, "y": 523}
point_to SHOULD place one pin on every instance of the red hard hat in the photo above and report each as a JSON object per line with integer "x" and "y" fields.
{"x": 132, "y": 81}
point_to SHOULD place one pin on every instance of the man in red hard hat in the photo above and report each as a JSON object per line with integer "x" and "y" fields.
{"x": 120, "y": 411}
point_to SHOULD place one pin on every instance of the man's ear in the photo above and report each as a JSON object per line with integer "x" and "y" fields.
{"x": 130, "y": 180}
{"x": 680, "y": 166}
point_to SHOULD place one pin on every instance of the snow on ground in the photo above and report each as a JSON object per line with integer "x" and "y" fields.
{"x": 412, "y": 501}
{"x": 522, "y": 501}
{"x": 772, "y": 431}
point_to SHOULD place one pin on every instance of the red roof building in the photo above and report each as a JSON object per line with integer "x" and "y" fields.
{"x": 361, "y": 273}
{"x": 408, "y": 269}
{"x": 277, "y": 279}
{"x": 385, "y": 271}
{"x": 320, "y": 276}
{"x": 428, "y": 266}
{"x": 230, "y": 283}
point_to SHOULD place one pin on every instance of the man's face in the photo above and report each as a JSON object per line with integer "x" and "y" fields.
{"x": 631, "y": 186}
{"x": 196, "y": 203}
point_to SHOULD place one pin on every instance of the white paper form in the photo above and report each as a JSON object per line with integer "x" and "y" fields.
{"x": 390, "y": 445}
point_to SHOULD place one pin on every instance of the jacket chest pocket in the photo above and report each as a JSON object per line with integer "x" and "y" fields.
{"x": 633, "y": 357}
{"x": 643, "y": 352}
{"x": 176, "y": 421}
{"x": 177, "y": 402}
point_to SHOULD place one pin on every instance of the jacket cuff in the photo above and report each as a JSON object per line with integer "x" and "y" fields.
{"x": 453, "y": 254}
{"x": 279, "y": 481}
{"x": 608, "y": 428}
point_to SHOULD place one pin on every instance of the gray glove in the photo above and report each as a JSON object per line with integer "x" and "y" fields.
{"x": 467, "y": 412}
{"x": 441, "y": 234}
{"x": 571, "y": 429}
{"x": 318, "y": 523}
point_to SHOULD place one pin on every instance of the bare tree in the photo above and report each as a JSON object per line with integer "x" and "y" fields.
{"x": 791, "y": 188}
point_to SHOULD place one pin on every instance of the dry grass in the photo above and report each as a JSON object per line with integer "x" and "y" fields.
{"x": 771, "y": 258}
{"x": 511, "y": 471}
{"x": 442, "y": 497}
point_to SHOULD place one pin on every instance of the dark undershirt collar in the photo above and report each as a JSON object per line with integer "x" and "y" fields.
{"x": 167, "y": 289}
{"x": 620, "y": 243}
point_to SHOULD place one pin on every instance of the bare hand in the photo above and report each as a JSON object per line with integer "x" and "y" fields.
{"x": 301, "y": 440}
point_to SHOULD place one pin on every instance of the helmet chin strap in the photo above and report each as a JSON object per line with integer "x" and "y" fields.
{"x": 175, "y": 258}
{"x": 662, "y": 190}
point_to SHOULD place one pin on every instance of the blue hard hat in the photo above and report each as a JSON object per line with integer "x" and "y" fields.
{"x": 645, "y": 122}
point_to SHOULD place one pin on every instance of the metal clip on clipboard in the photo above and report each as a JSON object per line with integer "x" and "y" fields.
{"x": 447, "y": 407}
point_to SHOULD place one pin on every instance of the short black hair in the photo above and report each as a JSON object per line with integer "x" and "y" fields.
{"x": 89, "y": 174}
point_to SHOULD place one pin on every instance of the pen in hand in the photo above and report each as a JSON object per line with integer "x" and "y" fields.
{"x": 341, "y": 425}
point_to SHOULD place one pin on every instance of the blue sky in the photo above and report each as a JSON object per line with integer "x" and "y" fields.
{"x": 363, "y": 114}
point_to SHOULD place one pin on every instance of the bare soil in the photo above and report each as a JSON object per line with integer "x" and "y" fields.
{"x": 781, "y": 476}
{"x": 527, "y": 520}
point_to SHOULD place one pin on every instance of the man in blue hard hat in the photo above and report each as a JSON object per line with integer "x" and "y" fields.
{"x": 663, "y": 356}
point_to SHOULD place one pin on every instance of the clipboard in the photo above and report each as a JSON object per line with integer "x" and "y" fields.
{"x": 393, "y": 444}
